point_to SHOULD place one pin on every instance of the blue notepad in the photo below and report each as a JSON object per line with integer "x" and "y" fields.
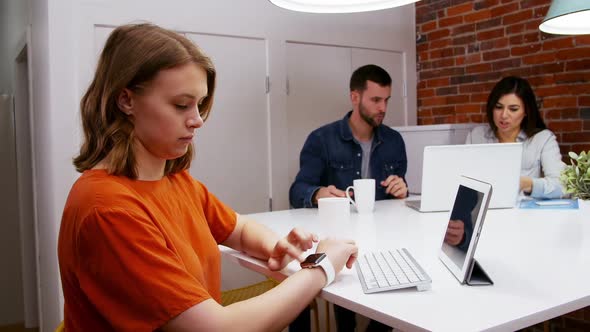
{"x": 549, "y": 204}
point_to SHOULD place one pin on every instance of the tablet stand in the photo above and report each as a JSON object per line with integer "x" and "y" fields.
{"x": 477, "y": 276}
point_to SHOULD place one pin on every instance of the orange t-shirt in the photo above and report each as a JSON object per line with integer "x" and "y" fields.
{"x": 135, "y": 254}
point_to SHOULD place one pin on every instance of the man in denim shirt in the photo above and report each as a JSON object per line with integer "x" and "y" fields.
{"x": 357, "y": 147}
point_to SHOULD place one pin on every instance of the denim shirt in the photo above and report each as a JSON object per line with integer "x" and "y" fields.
{"x": 331, "y": 156}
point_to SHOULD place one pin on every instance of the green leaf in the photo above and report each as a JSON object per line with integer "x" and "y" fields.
{"x": 573, "y": 155}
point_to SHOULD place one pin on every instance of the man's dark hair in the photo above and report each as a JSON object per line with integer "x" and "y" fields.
{"x": 374, "y": 73}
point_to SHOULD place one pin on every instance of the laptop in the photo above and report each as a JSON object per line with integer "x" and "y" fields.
{"x": 466, "y": 219}
{"x": 497, "y": 164}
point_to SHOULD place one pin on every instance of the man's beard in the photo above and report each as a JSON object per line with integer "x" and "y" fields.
{"x": 369, "y": 120}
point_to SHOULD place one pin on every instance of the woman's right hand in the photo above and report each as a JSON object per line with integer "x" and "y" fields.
{"x": 340, "y": 252}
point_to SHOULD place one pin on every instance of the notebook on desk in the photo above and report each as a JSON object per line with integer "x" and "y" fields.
{"x": 497, "y": 164}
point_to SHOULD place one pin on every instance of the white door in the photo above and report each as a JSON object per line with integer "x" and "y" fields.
{"x": 232, "y": 148}
{"x": 318, "y": 89}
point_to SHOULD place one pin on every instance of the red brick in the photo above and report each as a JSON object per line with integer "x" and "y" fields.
{"x": 444, "y": 119}
{"x": 425, "y": 121}
{"x": 495, "y": 55}
{"x": 478, "y": 16}
{"x": 565, "y": 126}
{"x": 579, "y": 148}
{"x": 422, "y": 56}
{"x": 426, "y": 27}
{"x": 544, "y": 69}
{"x": 441, "y": 72}
{"x": 440, "y": 43}
{"x": 572, "y": 77}
{"x": 463, "y": 29}
{"x": 505, "y": 9}
{"x": 505, "y": 64}
{"x": 587, "y": 125}
{"x": 424, "y": 112}
{"x": 446, "y": 62}
{"x": 523, "y": 50}
{"x": 444, "y": 110}
{"x": 578, "y": 65}
{"x": 460, "y": 60}
{"x": 558, "y": 43}
{"x": 469, "y": 108}
{"x": 449, "y": 21}
{"x": 517, "y": 17}
{"x": 488, "y": 24}
{"x": 458, "y": 99}
{"x": 464, "y": 40}
{"x": 531, "y": 37}
{"x": 582, "y": 40}
{"x": 533, "y": 3}
{"x": 482, "y": 67}
{"x": 422, "y": 47}
{"x": 425, "y": 93}
{"x": 485, "y": 4}
{"x": 560, "y": 102}
{"x": 538, "y": 58}
{"x": 580, "y": 89}
{"x": 494, "y": 44}
{"x": 477, "y": 87}
{"x": 542, "y": 80}
{"x": 479, "y": 97}
{"x": 584, "y": 101}
{"x": 437, "y": 82}
{"x": 575, "y": 53}
{"x": 516, "y": 40}
{"x": 433, "y": 101}
{"x": 437, "y": 34}
{"x": 460, "y": 9}
{"x": 477, "y": 118}
{"x": 473, "y": 58}
{"x": 490, "y": 34}
{"x": 461, "y": 118}
{"x": 556, "y": 90}
{"x": 515, "y": 28}
{"x": 449, "y": 90}
{"x": 534, "y": 24}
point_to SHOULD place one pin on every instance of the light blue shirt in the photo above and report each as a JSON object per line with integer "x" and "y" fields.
{"x": 541, "y": 159}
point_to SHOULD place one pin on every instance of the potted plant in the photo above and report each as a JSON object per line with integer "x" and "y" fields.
{"x": 576, "y": 176}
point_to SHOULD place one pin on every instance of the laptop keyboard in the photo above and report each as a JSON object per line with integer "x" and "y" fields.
{"x": 390, "y": 269}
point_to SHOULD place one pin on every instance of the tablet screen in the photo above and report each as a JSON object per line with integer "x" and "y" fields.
{"x": 462, "y": 220}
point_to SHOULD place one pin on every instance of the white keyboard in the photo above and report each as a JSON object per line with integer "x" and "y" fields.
{"x": 390, "y": 269}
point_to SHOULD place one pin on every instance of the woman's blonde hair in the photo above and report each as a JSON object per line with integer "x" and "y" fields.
{"x": 131, "y": 58}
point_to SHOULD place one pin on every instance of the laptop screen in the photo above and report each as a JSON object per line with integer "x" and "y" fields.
{"x": 462, "y": 220}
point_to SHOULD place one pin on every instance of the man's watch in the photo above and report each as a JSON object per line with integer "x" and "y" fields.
{"x": 320, "y": 260}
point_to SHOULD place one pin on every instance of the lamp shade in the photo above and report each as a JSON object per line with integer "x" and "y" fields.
{"x": 567, "y": 17}
{"x": 339, "y": 6}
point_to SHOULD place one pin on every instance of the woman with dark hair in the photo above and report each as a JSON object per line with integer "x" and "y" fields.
{"x": 513, "y": 116}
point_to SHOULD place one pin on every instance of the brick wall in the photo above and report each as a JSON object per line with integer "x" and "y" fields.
{"x": 465, "y": 47}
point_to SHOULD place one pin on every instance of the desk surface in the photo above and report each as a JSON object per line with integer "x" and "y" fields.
{"x": 539, "y": 261}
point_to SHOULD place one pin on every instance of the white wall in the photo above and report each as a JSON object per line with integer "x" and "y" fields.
{"x": 14, "y": 17}
{"x": 63, "y": 62}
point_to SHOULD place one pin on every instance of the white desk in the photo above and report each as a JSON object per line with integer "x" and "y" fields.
{"x": 539, "y": 261}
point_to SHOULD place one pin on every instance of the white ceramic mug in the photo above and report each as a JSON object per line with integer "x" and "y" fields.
{"x": 333, "y": 209}
{"x": 364, "y": 195}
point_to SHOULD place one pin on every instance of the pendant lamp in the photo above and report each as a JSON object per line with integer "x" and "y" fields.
{"x": 339, "y": 6}
{"x": 567, "y": 17}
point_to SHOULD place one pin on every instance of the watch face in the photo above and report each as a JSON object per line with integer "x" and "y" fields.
{"x": 313, "y": 259}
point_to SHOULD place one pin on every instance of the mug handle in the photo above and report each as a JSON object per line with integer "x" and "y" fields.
{"x": 348, "y": 195}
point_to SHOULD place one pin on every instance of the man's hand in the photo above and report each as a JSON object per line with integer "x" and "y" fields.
{"x": 329, "y": 191}
{"x": 455, "y": 232}
{"x": 290, "y": 247}
{"x": 395, "y": 186}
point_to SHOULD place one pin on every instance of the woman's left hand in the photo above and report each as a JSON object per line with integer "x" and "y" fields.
{"x": 290, "y": 247}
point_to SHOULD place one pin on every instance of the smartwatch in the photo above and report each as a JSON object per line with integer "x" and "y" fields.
{"x": 320, "y": 260}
